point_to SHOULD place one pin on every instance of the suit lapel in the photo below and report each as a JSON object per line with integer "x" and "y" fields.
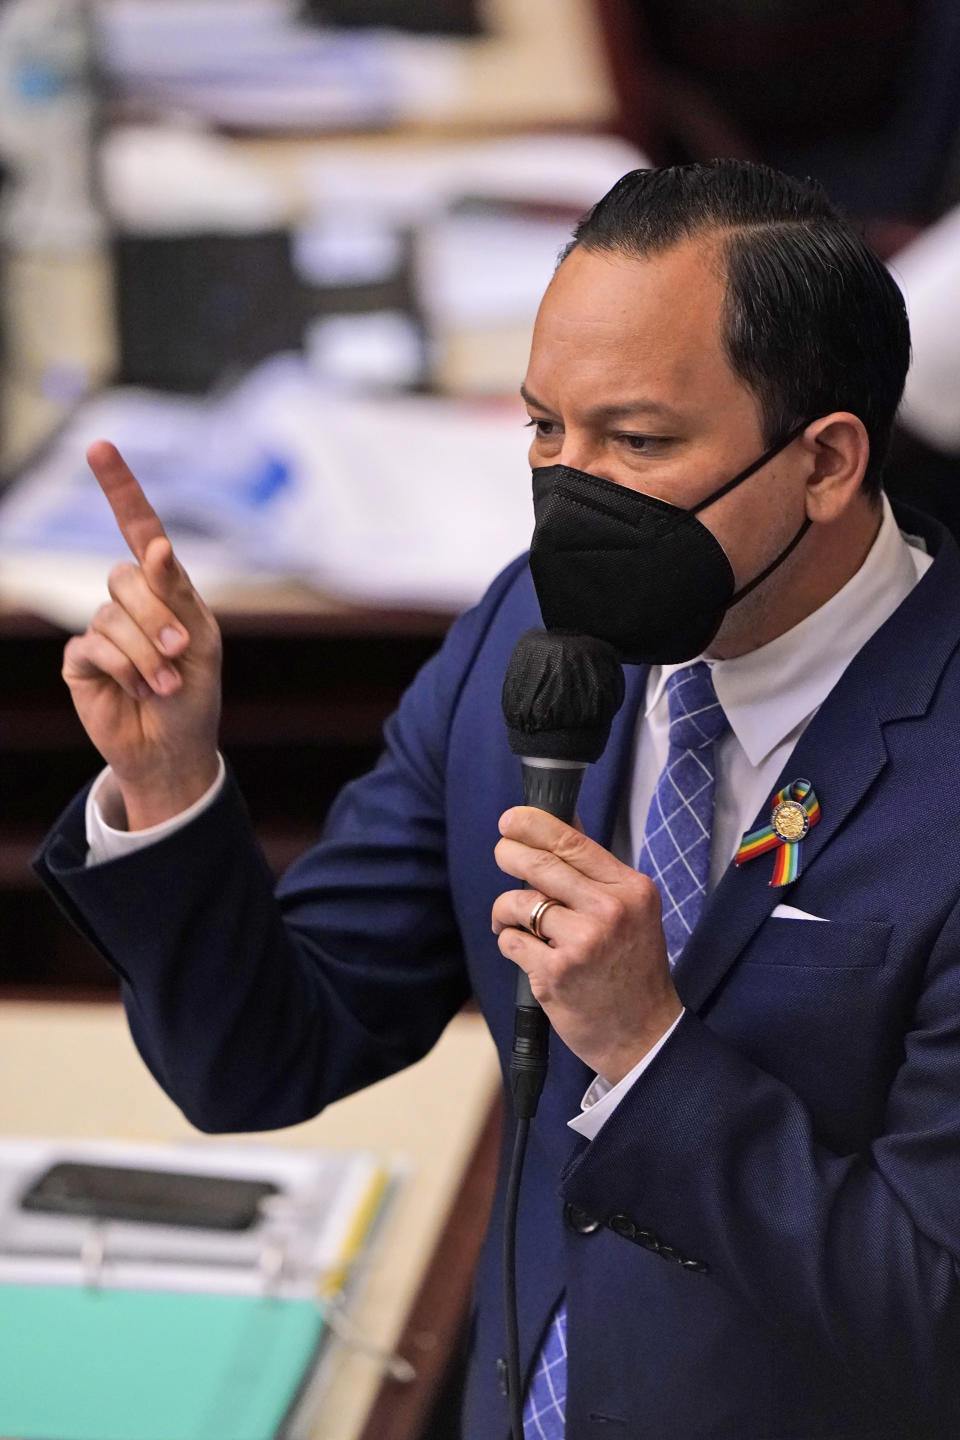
{"x": 842, "y": 752}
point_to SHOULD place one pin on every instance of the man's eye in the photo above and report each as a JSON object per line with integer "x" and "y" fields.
{"x": 545, "y": 429}
{"x": 643, "y": 444}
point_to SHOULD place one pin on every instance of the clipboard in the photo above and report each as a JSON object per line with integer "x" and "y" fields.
{"x": 121, "y": 1331}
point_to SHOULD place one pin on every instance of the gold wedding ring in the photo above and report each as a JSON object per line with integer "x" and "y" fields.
{"x": 537, "y": 914}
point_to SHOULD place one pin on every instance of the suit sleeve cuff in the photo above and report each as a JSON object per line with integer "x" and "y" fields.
{"x": 108, "y": 842}
{"x": 601, "y": 1099}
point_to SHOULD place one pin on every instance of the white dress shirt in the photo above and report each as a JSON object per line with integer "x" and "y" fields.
{"x": 769, "y": 697}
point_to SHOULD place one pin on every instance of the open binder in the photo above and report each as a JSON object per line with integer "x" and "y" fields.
{"x": 114, "y": 1330}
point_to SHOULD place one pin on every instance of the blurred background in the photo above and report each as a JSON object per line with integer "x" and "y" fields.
{"x": 287, "y": 254}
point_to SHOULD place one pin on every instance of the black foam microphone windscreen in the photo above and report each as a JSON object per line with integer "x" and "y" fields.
{"x": 560, "y": 695}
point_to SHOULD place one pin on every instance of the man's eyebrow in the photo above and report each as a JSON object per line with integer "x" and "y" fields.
{"x": 640, "y": 406}
{"x": 634, "y": 407}
{"x": 532, "y": 399}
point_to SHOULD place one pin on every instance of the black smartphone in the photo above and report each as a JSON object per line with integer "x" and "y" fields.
{"x": 150, "y": 1197}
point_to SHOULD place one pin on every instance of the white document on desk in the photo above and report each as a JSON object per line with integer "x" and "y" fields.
{"x": 261, "y": 64}
{"x": 407, "y": 501}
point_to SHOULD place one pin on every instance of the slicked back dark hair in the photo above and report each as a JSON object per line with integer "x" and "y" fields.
{"x": 813, "y": 322}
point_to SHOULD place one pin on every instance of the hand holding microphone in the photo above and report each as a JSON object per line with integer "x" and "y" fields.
{"x": 599, "y": 968}
{"x": 560, "y": 696}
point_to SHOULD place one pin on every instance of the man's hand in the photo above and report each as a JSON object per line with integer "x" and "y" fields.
{"x": 602, "y": 976}
{"x": 145, "y": 676}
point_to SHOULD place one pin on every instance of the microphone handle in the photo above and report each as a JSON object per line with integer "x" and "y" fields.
{"x": 554, "y": 786}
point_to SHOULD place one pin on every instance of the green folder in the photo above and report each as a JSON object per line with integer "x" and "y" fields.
{"x": 80, "y": 1364}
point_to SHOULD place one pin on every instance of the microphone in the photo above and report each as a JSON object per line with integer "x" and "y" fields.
{"x": 560, "y": 695}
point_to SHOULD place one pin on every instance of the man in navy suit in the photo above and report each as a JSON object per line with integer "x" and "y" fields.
{"x": 755, "y": 1230}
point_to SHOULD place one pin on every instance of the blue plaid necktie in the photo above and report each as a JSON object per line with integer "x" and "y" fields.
{"x": 676, "y": 854}
{"x": 676, "y": 842}
{"x": 543, "y": 1414}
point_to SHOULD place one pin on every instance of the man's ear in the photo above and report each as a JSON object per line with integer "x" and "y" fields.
{"x": 839, "y": 448}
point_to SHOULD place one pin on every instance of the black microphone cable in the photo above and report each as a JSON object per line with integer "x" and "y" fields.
{"x": 560, "y": 695}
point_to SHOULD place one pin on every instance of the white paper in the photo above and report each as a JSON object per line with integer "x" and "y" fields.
{"x": 403, "y": 501}
{"x": 249, "y": 63}
{"x": 165, "y": 180}
{"x": 405, "y": 184}
{"x": 484, "y": 271}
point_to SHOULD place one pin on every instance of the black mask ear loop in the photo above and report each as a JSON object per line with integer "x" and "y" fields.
{"x": 759, "y": 579}
{"x": 767, "y": 455}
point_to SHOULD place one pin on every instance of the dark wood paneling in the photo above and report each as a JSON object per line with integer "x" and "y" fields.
{"x": 305, "y": 698}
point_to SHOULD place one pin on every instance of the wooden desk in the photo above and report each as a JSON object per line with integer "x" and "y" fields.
{"x": 72, "y": 1071}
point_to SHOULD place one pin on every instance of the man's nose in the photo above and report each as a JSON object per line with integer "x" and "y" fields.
{"x": 584, "y": 453}
{"x": 581, "y": 452}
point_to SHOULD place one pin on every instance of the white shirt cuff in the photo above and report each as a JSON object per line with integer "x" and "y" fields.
{"x": 106, "y": 842}
{"x": 602, "y": 1098}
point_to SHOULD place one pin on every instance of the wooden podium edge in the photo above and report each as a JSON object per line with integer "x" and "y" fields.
{"x": 435, "y": 1322}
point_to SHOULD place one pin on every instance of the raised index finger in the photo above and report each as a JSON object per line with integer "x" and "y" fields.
{"x": 135, "y": 516}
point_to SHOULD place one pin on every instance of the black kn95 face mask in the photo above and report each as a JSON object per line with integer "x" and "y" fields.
{"x": 646, "y": 576}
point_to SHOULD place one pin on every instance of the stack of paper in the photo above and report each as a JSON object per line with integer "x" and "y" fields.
{"x": 256, "y": 64}
{"x": 489, "y": 221}
{"x": 404, "y": 501}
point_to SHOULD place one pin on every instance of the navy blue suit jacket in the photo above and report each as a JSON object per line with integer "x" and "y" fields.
{"x": 778, "y": 1197}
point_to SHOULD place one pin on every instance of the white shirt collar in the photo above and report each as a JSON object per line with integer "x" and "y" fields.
{"x": 768, "y": 692}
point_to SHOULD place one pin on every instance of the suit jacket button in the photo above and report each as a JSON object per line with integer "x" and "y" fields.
{"x": 622, "y": 1225}
{"x": 502, "y": 1377}
{"x": 649, "y": 1241}
{"x": 578, "y": 1220}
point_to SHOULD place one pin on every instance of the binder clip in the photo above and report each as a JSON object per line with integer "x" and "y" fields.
{"x": 284, "y": 1213}
{"x": 335, "y": 1315}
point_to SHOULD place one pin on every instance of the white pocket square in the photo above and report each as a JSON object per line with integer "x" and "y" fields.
{"x": 790, "y": 912}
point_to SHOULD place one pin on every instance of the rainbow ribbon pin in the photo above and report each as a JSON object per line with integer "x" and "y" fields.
{"x": 794, "y": 809}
